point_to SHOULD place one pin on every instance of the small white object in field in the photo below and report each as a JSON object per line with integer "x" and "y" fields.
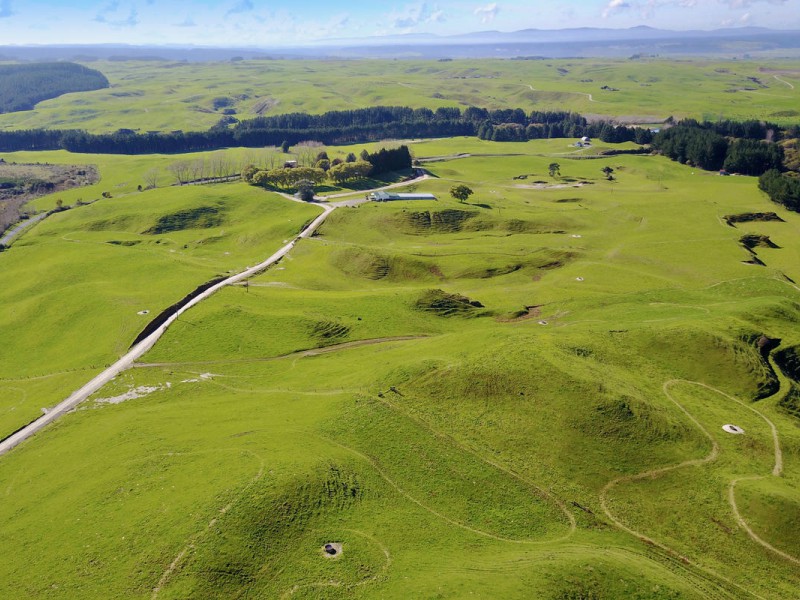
{"x": 734, "y": 429}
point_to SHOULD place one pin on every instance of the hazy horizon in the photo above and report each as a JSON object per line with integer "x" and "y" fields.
{"x": 261, "y": 23}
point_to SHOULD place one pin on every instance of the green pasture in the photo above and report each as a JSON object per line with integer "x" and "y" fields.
{"x": 74, "y": 286}
{"x": 469, "y": 397}
{"x": 166, "y": 96}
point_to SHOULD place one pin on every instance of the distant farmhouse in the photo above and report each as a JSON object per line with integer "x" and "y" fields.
{"x": 388, "y": 196}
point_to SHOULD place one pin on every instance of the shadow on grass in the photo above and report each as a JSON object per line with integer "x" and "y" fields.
{"x": 353, "y": 186}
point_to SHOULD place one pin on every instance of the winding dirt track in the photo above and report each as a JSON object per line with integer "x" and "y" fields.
{"x": 784, "y": 81}
{"x": 710, "y": 457}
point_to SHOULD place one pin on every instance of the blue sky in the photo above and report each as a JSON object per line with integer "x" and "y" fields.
{"x": 280, "y": 22}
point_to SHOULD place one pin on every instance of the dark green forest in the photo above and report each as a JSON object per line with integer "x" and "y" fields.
{"x": 23, "y": 86}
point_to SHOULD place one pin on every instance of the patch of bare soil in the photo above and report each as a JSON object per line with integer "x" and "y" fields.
{"x": 749, "y": 217}
{"x": 264, "y": 105}
{"x": 554, "y": 186}
{"x": 527, "y": 312}
{"x": 20, "y": 183}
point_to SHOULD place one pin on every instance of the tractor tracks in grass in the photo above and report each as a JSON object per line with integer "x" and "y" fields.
{"x": 541, "y": 492}
{"x": 299, "y": 354}
{"x": 537, "y": 491}
{"x": 791, "y": 86}
{"x": 672, "y": 556}
{"x": 193, "y": 540}
{"x": 376, "y": 466}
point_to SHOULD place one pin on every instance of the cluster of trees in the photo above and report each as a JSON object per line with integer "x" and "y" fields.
{"x": 285, "y": 178}
{"x": 781, "y": 188}
{"x": 387, "y": 160}
{"x": 339, "y": 171}
{"x": 23, "y": 86}
{"x": 508, "y": 126}
{"x": 350, "y": 171}
{"x": 702, "y": 146}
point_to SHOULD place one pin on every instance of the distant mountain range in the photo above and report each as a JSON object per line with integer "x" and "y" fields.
{"x": 526, "y": 43}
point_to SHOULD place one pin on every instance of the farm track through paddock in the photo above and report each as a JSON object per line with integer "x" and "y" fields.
{"x": 127, "y": 361}
{"x": 791, "y": 86}
{"x": 197, "y": 537}
{"x": 709, "y": 458}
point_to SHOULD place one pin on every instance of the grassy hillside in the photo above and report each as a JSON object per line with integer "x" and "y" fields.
{"x": 518, "y": 396}
{"x": 80, "y": 286}
{"x": 24, "y": 86}
{"x": 168, "y": 96}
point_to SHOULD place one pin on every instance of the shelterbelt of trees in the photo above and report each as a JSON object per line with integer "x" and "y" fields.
{"x": 23, "y": 86}
{"x": 749, "y": 148}
{"x": 332, "y": 128}
{"x": 781, "y": 188}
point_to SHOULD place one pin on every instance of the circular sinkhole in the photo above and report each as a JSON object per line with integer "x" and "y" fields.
{"x": 332, "y": 550}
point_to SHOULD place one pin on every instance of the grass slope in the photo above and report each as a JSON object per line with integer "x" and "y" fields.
{"x": 75, "y": 288}
{"x": 165, "y": 96}
{"x": 554, "y": 441}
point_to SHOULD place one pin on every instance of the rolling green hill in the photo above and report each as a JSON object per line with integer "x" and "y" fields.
{"x": 518, "y": 396}
{"x": 166, "y": 96}
{"x": 24, "y": 86}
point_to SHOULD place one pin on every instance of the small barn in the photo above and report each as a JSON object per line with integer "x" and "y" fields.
{"x": 389, "y": 196}
{"x": 586, "y": 139}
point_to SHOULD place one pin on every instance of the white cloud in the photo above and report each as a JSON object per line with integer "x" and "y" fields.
{"x": 487, "y": 13}
{"x": 243, "y": 6}
{"x": 647, "y": 9}
{"x": 748, "y": 3}
{"x": 113, "y": 14}
{"x": 745, "y": 19}
{"x": 615, "y": 6}
{"x": 413, "y": 15}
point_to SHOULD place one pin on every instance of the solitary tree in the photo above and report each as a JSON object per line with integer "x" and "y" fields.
{"x": 351, "y": 157}
{"x": 607, "y": 171}
{"x": 305, "y": 190}
{"x": 151, "y": 177}
{"x": 460, "y": 192}
{"x": 554, "y": 169}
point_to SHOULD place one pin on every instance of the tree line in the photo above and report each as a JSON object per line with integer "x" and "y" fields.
{"x": 332, "y": 128}
{"x": 24, "y": 86}
{"x": 715, "y": 146}
{"x": 781, "y": 188}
